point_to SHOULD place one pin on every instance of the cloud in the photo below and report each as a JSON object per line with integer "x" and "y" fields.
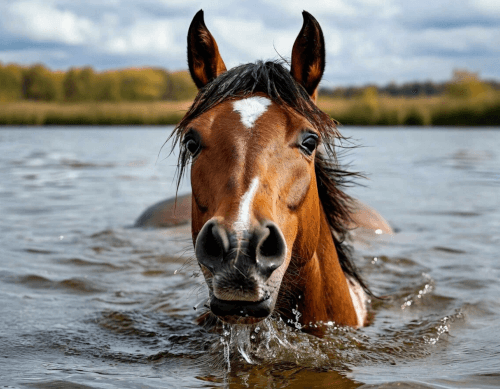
{"x": 463, "y": 40}
{"x": 366, "y": 40}
{"x": 152, "y": 37}
{"x": 28, "y": 57}
{"x": 486, "y": 6}
{"x": 42, "y": 21}
{"x": 324, "y": 7}
{"x": 253, "y": 40}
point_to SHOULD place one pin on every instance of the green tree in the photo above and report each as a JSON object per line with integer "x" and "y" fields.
{"x": 141, "y": 84}
{"x": 180, "y": 87}
{"x": 11, "y": 82}
{"x": 467, "y": 85}
{"x": 39, "y": 84}
{"x": 107, "y": 87}
{"x": 79, "y": 85}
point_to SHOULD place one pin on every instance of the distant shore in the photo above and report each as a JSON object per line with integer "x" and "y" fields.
{"x": 382, "y": 111}
{"x": 36, "y": 95}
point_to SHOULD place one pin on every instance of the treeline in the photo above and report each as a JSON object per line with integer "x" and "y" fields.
{"x": 465, "y": 100}
{"x": 462, "y": 84}
{"x": 36, "y": 95}
{"x": 38, "y": 83}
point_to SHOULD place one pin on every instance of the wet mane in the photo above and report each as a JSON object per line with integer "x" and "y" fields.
{"x": 274, "y": 80}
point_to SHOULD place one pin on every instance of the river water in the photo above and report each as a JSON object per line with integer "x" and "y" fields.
{"x": 88, "y": 302}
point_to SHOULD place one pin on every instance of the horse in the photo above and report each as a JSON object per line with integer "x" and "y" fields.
{"x": 269, "y": 212}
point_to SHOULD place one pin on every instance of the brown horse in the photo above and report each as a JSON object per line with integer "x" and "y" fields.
{"x": 269, "y": 215}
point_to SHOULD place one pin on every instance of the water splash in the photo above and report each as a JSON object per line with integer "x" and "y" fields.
{"x": 443, "y": 327}
{"x": 426, "y": 289}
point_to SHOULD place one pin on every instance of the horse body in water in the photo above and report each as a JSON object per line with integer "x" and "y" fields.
{"x": 268, "y": 212}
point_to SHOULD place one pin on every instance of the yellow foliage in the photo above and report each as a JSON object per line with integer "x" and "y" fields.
{"x": 142, "y": 84}
{"x": 107, "y": 87}
{"x": 181, "y": 87}
{"x": 467, "y": 85}
{"x": 369, "y": 97}
{"x": 11, "y": 78}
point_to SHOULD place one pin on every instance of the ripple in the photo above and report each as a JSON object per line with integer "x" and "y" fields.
{"x": 38, "y": 251}
{"x": 89, "y": 263}
{"x": 449, "y": 250}
{"x": 74, "y": 285}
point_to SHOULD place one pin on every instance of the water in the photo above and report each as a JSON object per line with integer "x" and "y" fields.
{"x": 87, "y": 302}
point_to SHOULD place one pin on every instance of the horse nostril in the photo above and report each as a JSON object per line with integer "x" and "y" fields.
{"x": 211, "y": 244}
{"x": 271, "y": 249}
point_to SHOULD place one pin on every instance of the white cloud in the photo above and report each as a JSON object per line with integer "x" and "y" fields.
{"x": 486, "y": 6}
{"x": 376, "y": 40}
{"x": 319, "y": 7}
{"x": 153, "y": 37}
{"x": 42, "y": 21}
{"x": 242, "y": 40}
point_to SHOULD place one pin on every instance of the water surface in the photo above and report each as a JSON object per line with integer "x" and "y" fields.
{"x": 87, "y": 302}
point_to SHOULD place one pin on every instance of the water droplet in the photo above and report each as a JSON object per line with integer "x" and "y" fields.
{"x": 61, "y": 237}
{"x": 378, "y": 231}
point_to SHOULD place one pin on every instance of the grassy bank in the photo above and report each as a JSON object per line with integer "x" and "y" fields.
{"x": 124, "y": 113}
{"x": 380, "y": 110}
{"x": 424, "y": 111}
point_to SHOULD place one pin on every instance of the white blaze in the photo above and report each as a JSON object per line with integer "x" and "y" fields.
{"x": 243, "y": 221}
{"x": 251, "y": 109}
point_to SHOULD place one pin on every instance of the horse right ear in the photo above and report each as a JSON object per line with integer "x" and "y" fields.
{"x": 205, "y": 62}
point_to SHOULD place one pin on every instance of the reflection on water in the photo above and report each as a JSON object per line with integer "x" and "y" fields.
{"x": 87, "y": 302}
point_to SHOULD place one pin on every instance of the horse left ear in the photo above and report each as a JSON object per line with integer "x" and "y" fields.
{"x": 308, "y": 55}
{"x": 205, "y": 62}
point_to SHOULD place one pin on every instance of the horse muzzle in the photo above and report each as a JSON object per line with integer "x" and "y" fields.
{"x": 241, "y": 265}
{"x": 244, "y": 312}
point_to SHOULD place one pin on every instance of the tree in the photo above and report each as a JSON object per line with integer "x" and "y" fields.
{"x": 180, "y": 87}
{"x": 107, "y": 87}
{"x": 79, "y": 85}
{"x": 466, "y": 85}
{"x": 38, "y": 84}
{"x": 11, "y": 81}
{"x": 141, "y": 84}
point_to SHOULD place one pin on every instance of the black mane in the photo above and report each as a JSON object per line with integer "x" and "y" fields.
{"x": 274, "y": 80}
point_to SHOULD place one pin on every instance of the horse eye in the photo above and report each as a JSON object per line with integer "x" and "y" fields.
{"x": 192, "y": 142}
{"x": 309, "y": 144}
{"x": 192, "y": 146}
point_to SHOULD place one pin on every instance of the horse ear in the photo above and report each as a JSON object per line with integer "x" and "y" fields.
{"x": 205, "y": 62}
{"x": 308, "y": 55}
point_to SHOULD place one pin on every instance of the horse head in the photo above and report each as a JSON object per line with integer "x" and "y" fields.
{"x": 259, "y": 181}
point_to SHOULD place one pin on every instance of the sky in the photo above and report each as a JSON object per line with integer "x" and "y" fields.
{"x": 367, "y": 41}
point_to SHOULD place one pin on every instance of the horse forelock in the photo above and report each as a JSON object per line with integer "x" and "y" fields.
{"x": 275, "y": 81}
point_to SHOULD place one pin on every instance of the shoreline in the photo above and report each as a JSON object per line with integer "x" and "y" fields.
{"x": 383, "y": 112}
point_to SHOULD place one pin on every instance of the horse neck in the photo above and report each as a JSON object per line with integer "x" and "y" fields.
{"x": 325, "y": 293}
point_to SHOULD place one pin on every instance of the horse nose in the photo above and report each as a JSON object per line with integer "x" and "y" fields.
{"x": 263, "y": 246}
{"x": 211, "y": 246}
{"x": 270, "y": 248}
